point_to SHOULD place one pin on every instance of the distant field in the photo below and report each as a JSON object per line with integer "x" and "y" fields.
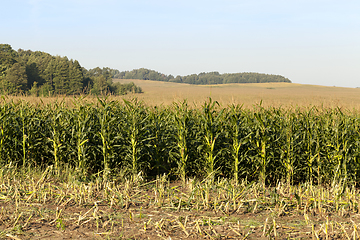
{"x": 286, "y": 95}
{"x": 271, "y": 94}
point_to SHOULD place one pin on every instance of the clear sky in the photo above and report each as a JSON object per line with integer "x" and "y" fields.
{"x": 307, "y": 41}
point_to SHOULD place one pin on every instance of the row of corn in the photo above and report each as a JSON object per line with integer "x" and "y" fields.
{"x": 108, "y": 137}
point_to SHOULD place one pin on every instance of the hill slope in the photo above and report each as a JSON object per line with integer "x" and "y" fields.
{"x": 271, "y": 94}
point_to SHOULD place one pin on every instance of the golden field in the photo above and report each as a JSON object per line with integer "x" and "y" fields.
{"x": 286, "y": 95}
{"x": 249, "y": 94}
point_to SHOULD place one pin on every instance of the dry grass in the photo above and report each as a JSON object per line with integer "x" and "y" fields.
{"x": 286, "y": 95}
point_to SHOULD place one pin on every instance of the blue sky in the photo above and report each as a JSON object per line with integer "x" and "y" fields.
{"x": 310, "y": 42}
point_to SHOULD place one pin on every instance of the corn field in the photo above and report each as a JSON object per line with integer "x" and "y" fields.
{"x": 108, "y": 137}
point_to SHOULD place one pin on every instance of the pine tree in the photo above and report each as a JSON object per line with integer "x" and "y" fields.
{"x": 75, "y": 78}
{"x": 49, "y": 72}
{"x": 61, "y": 78}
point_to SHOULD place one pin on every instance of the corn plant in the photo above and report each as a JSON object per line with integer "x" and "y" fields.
{"x": 106, "y": 120}
{"x": 82, "y": 128}
{"x": 160, "y": 139}
{"x": 287, "y": 149}
{"x": 23, "y": 133}
{"x": 57, "y": 136}
{"x": 309, "y": 142}
{"x": 355, "y": 154}
{"x": 33, "y": 140}
{"x": 339, "y": 144}
{"x": 137, "y": 134}
{"x": 5, "y": 131}
{"x": 265, "y": 140}
{"x": 236, "y": 134}
{"x": 210, "y": 128}
{"x": 182, "y": 121}
{"x": 260, "y": 140}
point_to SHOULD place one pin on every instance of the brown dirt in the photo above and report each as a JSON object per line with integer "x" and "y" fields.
{"x": 138, "y": 221}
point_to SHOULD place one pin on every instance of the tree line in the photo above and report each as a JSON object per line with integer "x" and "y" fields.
{"x": 41, "y": 74}
{"x": 201, "y": 78}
